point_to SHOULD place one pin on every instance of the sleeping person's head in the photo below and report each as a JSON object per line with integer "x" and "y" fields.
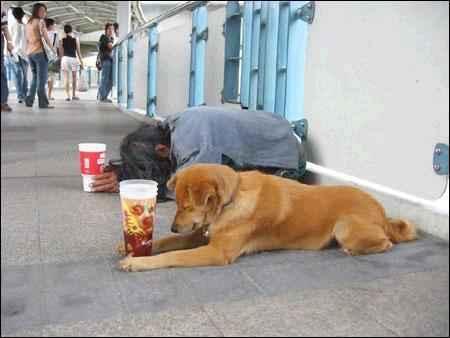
{"x": 145, "y": 154}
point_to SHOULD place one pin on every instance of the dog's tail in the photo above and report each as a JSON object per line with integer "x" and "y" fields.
{"x": 399, "y": 230}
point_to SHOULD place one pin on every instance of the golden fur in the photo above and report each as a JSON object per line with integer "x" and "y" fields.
{"x": 247, "y": 212}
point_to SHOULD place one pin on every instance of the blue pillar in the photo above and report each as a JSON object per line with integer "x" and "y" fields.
{"x": 262, "y": 54}
{"x": 246, "y": 54}
{"x": 152, "y": 70}
{"x": 198, "y": 51}
{"x": 295, "y": 76}
{"x": 119, "y": 74}
{"x": 115, "y": 66}
{"x": 193, "y": 62}
{"x": 130, "y": 73}
{"x": 270, "y": 67}
{"x": 282, "y": 54}
{"x": 89, "y": 71}
{"x": 232, "y": 33}
{"x": 254, "y": 62}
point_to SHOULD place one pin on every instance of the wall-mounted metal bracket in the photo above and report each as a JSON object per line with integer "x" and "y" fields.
{"x": 306, "y": 13}
{"x": 151, "y": 100}
{"x": 300, "y": 127}
{"x": 130, "y": 96}
{"x": 440, "y": 159}
{"x": 203, "y": 35}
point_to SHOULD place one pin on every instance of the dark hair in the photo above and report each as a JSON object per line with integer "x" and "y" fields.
{"x": 49, "y": 22}
{"x": 107, "y": 25}
{"x": 18, "y": 13}
{"x": 67, "y": 29}
{"x": 116, "y": 26}
{"x": 139, "y": 157}
{"x": 35, "y": 10}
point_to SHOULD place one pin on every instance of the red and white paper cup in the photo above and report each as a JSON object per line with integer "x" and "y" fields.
{"x": 92, "y": 162}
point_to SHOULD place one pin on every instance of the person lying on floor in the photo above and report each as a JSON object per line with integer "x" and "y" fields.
{"x": 241, "y": 139}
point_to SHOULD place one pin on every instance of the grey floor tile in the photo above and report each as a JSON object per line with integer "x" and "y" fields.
{"x": 318, "y": 313}
{"x": 414, "y": 304}
{"x": 21, "y": 301}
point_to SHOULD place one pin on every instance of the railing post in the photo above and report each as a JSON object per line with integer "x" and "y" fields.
{"x": 130, "y": 73}
{"x": 152, "y": 69}
{"x": 119, "y": 74}
{"x": 232, "y": 32}
{"x": 89, "y": 77}
{"x": 246, "y": 54}
{"x": 254, "y": 62}
{"x": 282, "y": 52}
{"x": 198, "y": 51}
{"x": 270, "y": 67}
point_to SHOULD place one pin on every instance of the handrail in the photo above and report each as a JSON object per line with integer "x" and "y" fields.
{"x": 188, "y": 5}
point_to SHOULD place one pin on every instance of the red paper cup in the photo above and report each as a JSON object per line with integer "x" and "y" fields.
{"x": 92, "y": 161}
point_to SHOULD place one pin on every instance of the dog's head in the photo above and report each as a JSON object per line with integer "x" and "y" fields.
{"x": 202, "y": 191}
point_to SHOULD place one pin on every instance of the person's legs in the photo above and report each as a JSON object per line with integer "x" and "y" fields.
{"x": 106, "y": 77}
{"x": 50, "y": 86}
{"x": 32, "y": 91}
{"x": 4, "y": 86}
{"x": 74, "y": 84}
{"x": 67, "y": 83}
{"x": 18, "y": 79}
{"x": 24, "y": 69}
{"x": 42, "y": 76}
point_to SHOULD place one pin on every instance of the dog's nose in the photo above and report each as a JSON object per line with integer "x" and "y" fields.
{"x": 174, "y": 228}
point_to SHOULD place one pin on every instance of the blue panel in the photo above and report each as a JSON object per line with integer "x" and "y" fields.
{"x": 120, "y": 78}
{"x": 200, "y": 55}
{"x": 262, "y": 53}
{"x": 115, "y": 66}
{"x": 246, "y": 54}
{"x": 296, "y": 64}
{"x": 130, "y": 73}
{"x": 89, "y": 71}
{"x": 270, "y": 67}
{"x": 193, "y": 55}
{"x": 232, "y": 51}
{"x": 255, "y": 54}
{"x": 151, "y": 70}
{"x": 282, "y": 56}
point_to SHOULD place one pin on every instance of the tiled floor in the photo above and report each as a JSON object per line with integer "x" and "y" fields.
{"x": 58, "y": 261}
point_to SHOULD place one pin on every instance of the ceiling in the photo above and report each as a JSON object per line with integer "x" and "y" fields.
{"x": 84, "y": 16}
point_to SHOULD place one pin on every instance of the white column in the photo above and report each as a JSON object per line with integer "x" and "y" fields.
{"x": 124, "y": 17}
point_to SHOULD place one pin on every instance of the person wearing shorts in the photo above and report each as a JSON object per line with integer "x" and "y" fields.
{"x": 70, "y": 49}
{"x": 54, "y": 67}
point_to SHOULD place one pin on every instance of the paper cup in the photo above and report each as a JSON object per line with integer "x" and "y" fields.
{"x": 138, "y": 199}
{"x": 92, "y": 162}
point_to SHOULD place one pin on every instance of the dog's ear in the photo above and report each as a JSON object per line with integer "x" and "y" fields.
{"x": 172, "y": 183}
{"x": 227, "y": 185}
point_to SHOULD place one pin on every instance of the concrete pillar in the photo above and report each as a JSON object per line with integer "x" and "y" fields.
{"x": 124, "y": 17}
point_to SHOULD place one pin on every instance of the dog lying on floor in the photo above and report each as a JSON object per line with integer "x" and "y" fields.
{"x": 222, "y": 215}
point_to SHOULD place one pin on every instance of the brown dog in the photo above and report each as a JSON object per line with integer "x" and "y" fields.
{"x": 223, "y": 214}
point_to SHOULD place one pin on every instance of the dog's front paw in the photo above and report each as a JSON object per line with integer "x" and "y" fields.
{"x": 127, "y": 264}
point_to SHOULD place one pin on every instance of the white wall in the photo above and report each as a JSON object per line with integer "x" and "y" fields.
{"x": 376, "y": 91}
{"x": 173, "y": 64}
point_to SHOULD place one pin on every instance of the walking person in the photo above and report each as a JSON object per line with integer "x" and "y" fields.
{"x": 54, "y": 68}
{"x": 105, "y": 51}
{"x": 5, "y": 38}
{"x": 70, "y": 49}
{"x": 35, "y": 32}
{"x": 19, "y": 53}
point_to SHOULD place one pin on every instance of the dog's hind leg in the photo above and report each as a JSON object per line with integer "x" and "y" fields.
{"x": 360, "y": 237}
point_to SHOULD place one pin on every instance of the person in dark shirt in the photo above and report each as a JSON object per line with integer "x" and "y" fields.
{"x": 105, "y": 48}
{"x": 69, "y": 49}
